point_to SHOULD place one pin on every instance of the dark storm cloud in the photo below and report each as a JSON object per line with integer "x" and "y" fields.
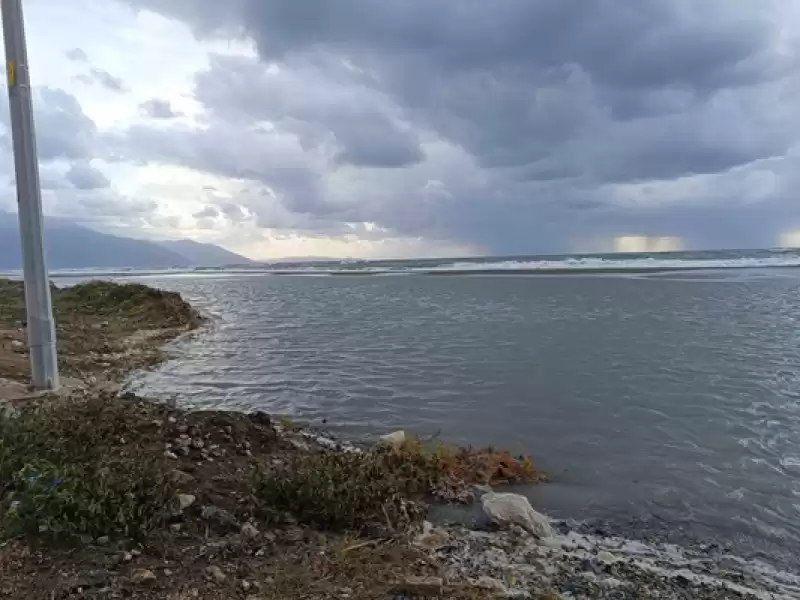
{"x": 85, "y": 177}
{"x": 558, "y": 104}
{"x": 311, "y": 100}
{"x": 159, "y": 109}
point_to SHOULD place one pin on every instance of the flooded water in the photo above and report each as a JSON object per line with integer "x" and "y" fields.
{"x": 667, "y": 403}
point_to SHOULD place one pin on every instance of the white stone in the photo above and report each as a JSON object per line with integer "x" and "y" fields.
{"x": 507, "y": 509}
{"x": 431, "y": 537}
{"x": 393, "y": 439}
{"x": 186, "y": 500}
{"x": 606, "y": 557}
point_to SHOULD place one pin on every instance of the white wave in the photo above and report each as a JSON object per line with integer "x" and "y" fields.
{"x": 597, "y": 263}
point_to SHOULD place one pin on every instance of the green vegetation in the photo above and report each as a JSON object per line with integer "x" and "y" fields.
{"x": 379, "y": 489}
{"x": 137, "y": 305}
{"x": 67, "y": 471}
{"x": 103, "y": 329}
{"x": 357, "y": 492}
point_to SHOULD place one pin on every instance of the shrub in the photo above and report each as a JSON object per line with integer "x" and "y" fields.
{"x": 381, "y": 488}
{"x": 341, "y": 491}
{"x": 65, "y": 471}
{"x": 65, "y": 501}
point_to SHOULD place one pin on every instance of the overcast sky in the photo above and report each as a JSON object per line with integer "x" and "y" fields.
{"x": 420, "y": 127}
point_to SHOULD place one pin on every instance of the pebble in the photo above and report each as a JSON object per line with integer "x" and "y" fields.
{"x": 606, "y": 557}
{"x": 175, "y": 527}
{"x": 143, "y": 576}
{"x": 249, "y": 531}
{"x": 219, "y": 516}
{"x": 490, "y": 584}
{"x": 102, "y": 540}
{"x": 198, "y": 444}
{"x": 216, "y": 574}
{"x": 170, "y": 455}
{"x": 181, "y": 477}
{"x": 246, "y": 585}
{"x": 421, "y": 586}
{"x": 186, "y": 500}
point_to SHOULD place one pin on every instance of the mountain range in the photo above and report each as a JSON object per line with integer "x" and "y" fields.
{"x": 71, "y": 246}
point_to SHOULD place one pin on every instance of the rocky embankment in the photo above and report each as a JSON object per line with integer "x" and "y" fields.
{"x": 109, "y": 496}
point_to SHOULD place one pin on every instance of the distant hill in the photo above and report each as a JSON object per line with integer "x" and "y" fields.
{"x": 70, "y": 246}
{"x": 205, "y": 255}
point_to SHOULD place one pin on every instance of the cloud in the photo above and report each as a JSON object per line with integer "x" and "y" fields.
{"x": 322, "y": 103}
{"x": 516, "y": 127}
{"x": 102, "y": 78}
{"x": 85, "y": 177}
{"x": 157, "y": 108}
{"x": 77, "y": 55}
{"x": 209, "y": 212}
{"x": 62, "y": 128}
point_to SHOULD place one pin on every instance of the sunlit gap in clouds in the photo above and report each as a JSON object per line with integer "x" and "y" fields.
{"x": 644, "y": 243}
{"x": 789, "y": 239}
{"x": 626, "y": 243}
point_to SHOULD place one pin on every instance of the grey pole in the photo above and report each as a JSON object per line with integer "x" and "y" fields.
{"x": 38, "y": 305}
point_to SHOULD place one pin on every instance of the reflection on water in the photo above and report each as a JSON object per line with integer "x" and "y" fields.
{"x": 666, "y": 399}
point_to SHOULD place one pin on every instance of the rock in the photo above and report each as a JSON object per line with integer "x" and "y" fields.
{"x": 394, "y": 439}
{"x": 219, "y": 516}
{"x": 103, "y": 540}
{"x": 489, "y": 584}
{"x": 216, "y": 574}
{"x": 186, "y": 500}
{"x": 170, "y": 455}
{"x": 179, "y": 477}
{"x": 420, "y": 587}
{"x": 198, "y": 444}
{"x": 175, "y": 528}
{"x": 249, "y": 532}
{"x": 506, "y": 509}
{"x": 143, "y": 577}
{"x": 246, "y": 585}
{"x": 126, "y": 557}
{"x": 182, "y": 429}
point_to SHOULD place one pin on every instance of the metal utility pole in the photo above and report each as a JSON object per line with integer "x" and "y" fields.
{"x": 38, "y": 305}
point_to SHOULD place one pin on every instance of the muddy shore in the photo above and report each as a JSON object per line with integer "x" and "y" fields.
{"x": 214, "y": 505}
